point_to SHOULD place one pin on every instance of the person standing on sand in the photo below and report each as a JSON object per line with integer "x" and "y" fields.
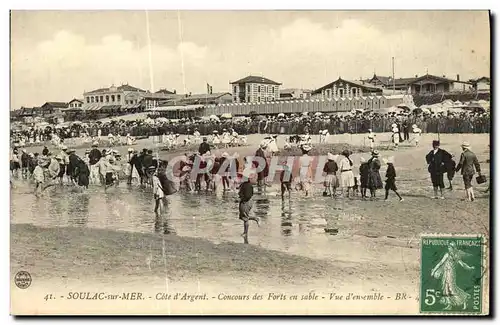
{"x": 371, "y": 139}
{"x": 374, "y": 179}
{"x": 286, "y": 179}
{"x": 52, "y": 173}
{"x": 469, "y": 165}
{"x": 245, "y": 201}
{"x": 158, "y": 192}
{"x": 94, "y": 157}
{"x": 437, "y": 160}
{"x": 305, "y": 171}
{"x": 331, "y": 181}
{"x": 204, "y": 147}
{"x": 390, "y": 182}
{"x": 450, "y": 170}
{"x": 417, "y": 132}
{"x": 346, "y": 174}
{"x": 39, "y": 174}
{"x": 363, "y": 177}
{"x": 261, "y": 175}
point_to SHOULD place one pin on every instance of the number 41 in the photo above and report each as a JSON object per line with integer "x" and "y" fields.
{"x": 430, "y": 296}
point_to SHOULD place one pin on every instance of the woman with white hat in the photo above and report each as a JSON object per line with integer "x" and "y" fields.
{"x": 39, "y": 175}
{"x": 371, "y": 139}
{"x": 305, "y": 172}
{"x": 374, "y": 179}
{"x": 272, "y": 146}
{"x": 395, "y": 136}
{"x": 390, "y": 183}
{"x": 469, "y": 165}
{"x": 417, "y": 132}
{"x": 215, "y": 138}
{"x": 346, "y": 174}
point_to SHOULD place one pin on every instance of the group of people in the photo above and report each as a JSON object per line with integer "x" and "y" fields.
{"x": 441, "y": 162}
{"x": 105, "y": 167}
{"x": 272, "y": 124}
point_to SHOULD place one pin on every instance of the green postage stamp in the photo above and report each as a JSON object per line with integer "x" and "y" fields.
{"x": 452, "y": 274}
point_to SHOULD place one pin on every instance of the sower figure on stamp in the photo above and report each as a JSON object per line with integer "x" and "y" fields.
{"x": 445, "y": 270}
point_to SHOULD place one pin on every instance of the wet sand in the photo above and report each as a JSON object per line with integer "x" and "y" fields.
{"x": 380, "y": 251}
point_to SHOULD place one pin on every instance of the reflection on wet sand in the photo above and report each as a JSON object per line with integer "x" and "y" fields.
{"x": 207, "y": 216}
{"x": 286, "y": 221}
{"x": 261, "y": 206}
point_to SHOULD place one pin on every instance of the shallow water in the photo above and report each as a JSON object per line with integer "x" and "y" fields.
{"x": 296, "y": 226}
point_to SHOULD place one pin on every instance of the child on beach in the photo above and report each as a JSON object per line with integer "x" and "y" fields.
{"x": 286, "y": 181}
{"x": 245, "y": 205}
{"x": 331, "y": 181}
{"x": 450, "y": 170}
{"x": 364, "y": 170}
{"x": 39, "y": 176}
{"x": 390, "y": 182}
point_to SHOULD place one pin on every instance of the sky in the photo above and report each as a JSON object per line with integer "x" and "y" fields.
{"x": 57, "y": 55}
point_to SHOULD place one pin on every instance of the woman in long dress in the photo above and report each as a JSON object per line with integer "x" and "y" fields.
{"x": 273, "y": 145}
{"x": 451, "y": 294}
{"x": 374, "y": 179}
{"x": 305, "y": 172}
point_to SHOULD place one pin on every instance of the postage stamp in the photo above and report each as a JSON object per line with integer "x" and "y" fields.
{"x": 451, "y": 274}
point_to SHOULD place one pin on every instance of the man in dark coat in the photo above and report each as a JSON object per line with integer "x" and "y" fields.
{"x": 204, "y": 147}
{"x": 406, "y": 130}
{"x": 437, "y": 161}
{"x": 72, "y": 165}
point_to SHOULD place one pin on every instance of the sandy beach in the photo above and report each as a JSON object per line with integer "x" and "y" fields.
{"x": 381, "y": 254}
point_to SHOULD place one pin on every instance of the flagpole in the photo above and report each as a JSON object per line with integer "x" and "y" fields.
{"x": 151, "y": 77}
{"x": 393, "y": 80}
{"x": 180, "y": 49}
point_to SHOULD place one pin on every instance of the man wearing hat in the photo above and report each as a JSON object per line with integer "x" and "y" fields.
{"x": 204, "y": 146}
{"x": 73, "y": 160}
{"x": 437, "y": 160}
{"x": 469, "y": 165}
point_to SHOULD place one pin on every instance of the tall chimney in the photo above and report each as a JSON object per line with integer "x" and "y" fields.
{"x": 458, "y": 77}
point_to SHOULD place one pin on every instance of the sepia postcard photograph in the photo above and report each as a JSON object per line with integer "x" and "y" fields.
{"x": 231, "y": 162}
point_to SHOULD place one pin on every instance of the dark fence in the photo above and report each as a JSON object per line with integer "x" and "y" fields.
{"x": 430, "y": 99}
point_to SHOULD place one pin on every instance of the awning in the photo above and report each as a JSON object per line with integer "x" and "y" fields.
{"x": 110, "y": 107}
{"x": 175, "y": 108}
{"x": 130, "y": 106}
{"x": 92, "y": 107}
